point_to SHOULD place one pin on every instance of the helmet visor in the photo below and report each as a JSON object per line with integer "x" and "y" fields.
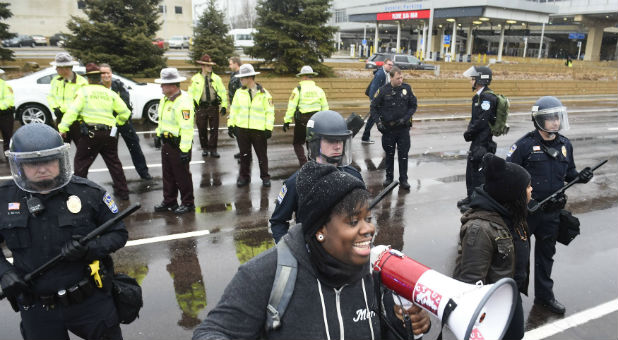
{"x": 41, "y": 171}
{"x": 331, "y": 149}
{"x": 471, "y": 72}
{"x": 552, "y": 119}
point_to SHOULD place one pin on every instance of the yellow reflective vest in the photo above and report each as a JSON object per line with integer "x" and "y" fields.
{"x": 256, "y": 113}
{"x": 176, "y": 119}
{"x": 311, "y": 99}
{"x": 7, "y": 99}
{"x": 95, "y": 104}
{"x": 197, "y": 88}
{"x": 62, "y": 93}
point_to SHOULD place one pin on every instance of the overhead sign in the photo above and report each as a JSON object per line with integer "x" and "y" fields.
{"x": 577, "y": 36}
{"x": 407, "y": 15}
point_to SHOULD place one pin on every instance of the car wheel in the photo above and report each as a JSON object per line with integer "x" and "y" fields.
{"x": 151, "y": 112}
{"x": 33, "y": 113}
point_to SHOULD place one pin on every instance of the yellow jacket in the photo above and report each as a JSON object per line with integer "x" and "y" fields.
{"x": 96, "y": 104}
{"x": 197, "y": 88}
{"x": 257, "y": 113}
{"x": 176, "y": 119}
{"x": 7, "y": 99}
{"x": 62, "y": 93}
{"x": 312, "y": 99}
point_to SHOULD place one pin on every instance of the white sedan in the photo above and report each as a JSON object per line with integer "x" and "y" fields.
{"x": 31, "y": 96}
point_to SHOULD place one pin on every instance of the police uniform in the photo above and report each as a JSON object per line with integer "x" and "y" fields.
{"x": 75, "y": 209}
{"x": 95, "y": 105}
{"x": 392, "y": 108}
{"x": 548, "y": 174}
{"x": 7, "y": 110}
{"x": 479, "y": 133}
{"x": 61, "y": 95}
{"x": 208, "y": 93}
{"x": 286, "y": 204}
{"x": 307, "y": 98}
{"x": 176, "y": 132}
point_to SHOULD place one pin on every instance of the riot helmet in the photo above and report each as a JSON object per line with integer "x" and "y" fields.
{"x": 39, "y": 159}
{"x": 549, "y": 115}
{"x": 481, "y": 75}
{"x": 328, "y": 138}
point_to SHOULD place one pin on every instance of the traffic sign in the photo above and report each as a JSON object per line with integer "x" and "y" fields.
{"x": 577, "y": 36}
{"x": 447, "y": 39}
{"x": 364, "y": 41}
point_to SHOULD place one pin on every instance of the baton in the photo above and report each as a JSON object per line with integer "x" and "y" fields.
{"x": 96, "y": 232}
{"x": 568, "y": 185}
{"x": 382, "y": 193}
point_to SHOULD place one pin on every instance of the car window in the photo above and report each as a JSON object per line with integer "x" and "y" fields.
{"x": 401, "y": 59}
{"x": 379, "y": 57}
{"x": 46, "y": 79}
{"x": 413, "y": 60}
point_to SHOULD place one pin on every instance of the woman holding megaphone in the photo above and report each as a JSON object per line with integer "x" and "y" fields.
{"x": 332, "y": 294}
{"x": 494, "y": 241}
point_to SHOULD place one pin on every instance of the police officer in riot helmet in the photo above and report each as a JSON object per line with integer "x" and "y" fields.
{"x": 484, "y": 105}
{"x": 44, "y": 211}
{"x": 548, "y": 157}
{"x": 328, "y": 142}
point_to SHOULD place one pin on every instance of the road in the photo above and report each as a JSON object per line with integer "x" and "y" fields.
{"x": 184, "y": 262}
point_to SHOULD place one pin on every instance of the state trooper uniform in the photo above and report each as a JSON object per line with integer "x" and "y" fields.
{"x": 7, "y": 111}
{"x": 550, "y": 164}
{"x": 95, "y": 105}
{"x": 42, "y": 212}
{"x": 62, "y": 93}
{"x": 392, "y": 108}
{"x": 208, "y": 93}
{"x": 307, "y": 98}
{"x": 175, "y": 137}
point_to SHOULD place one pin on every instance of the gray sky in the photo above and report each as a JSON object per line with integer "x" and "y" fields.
{"x": 233, "y": 6}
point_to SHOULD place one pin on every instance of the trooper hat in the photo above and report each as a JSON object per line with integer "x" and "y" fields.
{"x": 92, "y": 68}
{"x": 246, "y": 70}
{"x": 205, "y": 60}
{"x": 63, "y": 59}
{"x": 306, "y": 70}
{"x": 170, "y": 75}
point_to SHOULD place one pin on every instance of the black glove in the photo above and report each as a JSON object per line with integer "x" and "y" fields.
{"x": 381, "y": 127}
{"x": 73, "y": 250}
{"x": 12, "y": 284}
{"x": 231, "y": 131}
{"x": 185, "y": 157}
{"x": 468, "y": 136}
{"x": 223, "y": 111}
{"x": 286, "y": 126}
{"x": 555, "y": 203}
{"x": 585, "y": 175}
{"x": 157, "y": 142}
{"x": 58, "y": 113}
{"x": 268, "y": 134}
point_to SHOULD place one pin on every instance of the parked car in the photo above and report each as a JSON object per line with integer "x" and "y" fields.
{"x": 159, "y": 42}
{"x": 39, "y": 40}
{"x": 403, "y": 61}
{"x": 31, "y": 96}
{"x": 179, "y": 41}
{"x": 19, "y": 41}
{"x": 57, "y": 39}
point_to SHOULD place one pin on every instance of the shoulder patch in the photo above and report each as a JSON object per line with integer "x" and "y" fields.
{"x": 109, "y": 201}
{"x": 485, "y": 105}
{"x": 376, "y": 94}
{"x": 511, "y": 150}
{"x": 293, "y": 96}
{"x": 186, "y": 114}
{"x": 284, "y": 190}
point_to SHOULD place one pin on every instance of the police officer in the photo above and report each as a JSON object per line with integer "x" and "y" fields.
{"x": 174, "y": 137}
{"x": 478, "y": 131}
{"x": 7, "y": 111}
{"x": 329, "y": 141}
{"x": 548, "y": 157}
{"x": 95, "y": 105}
{"x": 307, "y": 98}
{"x": 127, "y": 131}
{"x": 208, "y": 93}
{"x": 45, "y": 209}
{"x": 251, "y": 120}
{"x": 381, "y": 77}
{"x": 63, "y": 89}
{"x": 392, "y": 108}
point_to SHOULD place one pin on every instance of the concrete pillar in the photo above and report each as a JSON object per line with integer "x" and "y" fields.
{"x": 375, "y": 38}
{"x": 593, "y": 43}
{"x": 469, "y": 41}
{"x": 525, "y": 46}
{"x": 454, "y": 42}
{"x": 430, "y": 33}
{"x": 398, "y": 36}
{"x": 541, "y": 41}
{"x": 501, "y": 43}
{"x": 424, "y": 44}
{"x": 547, "y": 50}
{"x": 419, "y": 37}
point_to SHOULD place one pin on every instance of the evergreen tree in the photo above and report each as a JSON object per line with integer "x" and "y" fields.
{"x": 118, "y": 32}
{"x": 211, "y": 37}
{"x": 5, "y": 13}
{"x": 293, "y": 33}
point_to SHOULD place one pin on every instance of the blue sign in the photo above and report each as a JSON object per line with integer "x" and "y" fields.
{"x": 447, "y": 39}
{"x": 577, "y": 36}
{"x": 364, "y": 41}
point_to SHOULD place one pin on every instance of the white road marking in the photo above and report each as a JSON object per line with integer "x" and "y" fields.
{"x": 167, "y": 238}
{"x": 613, "y": 129}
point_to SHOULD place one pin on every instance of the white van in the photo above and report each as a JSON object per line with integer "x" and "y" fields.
{"x": 243, "y": 37}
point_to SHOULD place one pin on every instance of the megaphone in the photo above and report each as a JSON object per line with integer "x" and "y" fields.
{"x": 470, "y": 311}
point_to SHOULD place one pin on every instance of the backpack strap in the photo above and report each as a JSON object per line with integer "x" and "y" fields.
{"x": 283, "y": 286}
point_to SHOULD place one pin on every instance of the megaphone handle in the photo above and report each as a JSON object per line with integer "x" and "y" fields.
{"x": 450, "y": 306}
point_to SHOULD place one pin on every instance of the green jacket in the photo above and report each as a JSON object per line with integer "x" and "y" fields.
{"x": 197, "y": 88}
{"x": 96, "y": 104}
{"x": 62, "y": 93}
{"x": 256, "y": 113}
{"x": 176, "y": 118}
{"x": 310, "y": 99}
{"x": 7, "y": 99}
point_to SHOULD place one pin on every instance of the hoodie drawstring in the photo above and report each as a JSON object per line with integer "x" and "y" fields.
{"x": 368, "y": 310}
{"x": 323, "y": 310}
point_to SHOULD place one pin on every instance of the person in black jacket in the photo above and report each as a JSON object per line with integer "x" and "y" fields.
{"x": 127, "y": 131}
{"x": 392, "y": 108}
{"x": 381, "y": 77}
{"x": 334, "y": 296}
{"x": 478, "y": 131}
{"x": 234, "y": 84}
{"x": 44, "y": 210}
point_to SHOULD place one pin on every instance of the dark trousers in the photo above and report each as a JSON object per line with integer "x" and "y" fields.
{"x": 74, "y": 133}
{"x": 398, "y": 139}
{"x": 246, "y": 139}
{"x": 544, "y": 226}
{"x": 101, "y": 143}
{"x": 95, "y": 318}
{"x": 176, "y": 176}
{"x": 207, "y": 121}
{"x": 368, "y": 127}
{"x": 127, "y": 131}
{"x": 474, "y": 177}
{"x": 6, "y": 127}
{"x": 300, "y": 134}
{"x": 515, "y": 330}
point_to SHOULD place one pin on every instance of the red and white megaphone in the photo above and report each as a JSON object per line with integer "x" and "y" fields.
{"x": 470, "y": 311}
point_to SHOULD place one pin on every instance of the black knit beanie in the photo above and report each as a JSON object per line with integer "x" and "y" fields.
{"x": 320, "y": 187}
{"x": 504, "y": 181}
